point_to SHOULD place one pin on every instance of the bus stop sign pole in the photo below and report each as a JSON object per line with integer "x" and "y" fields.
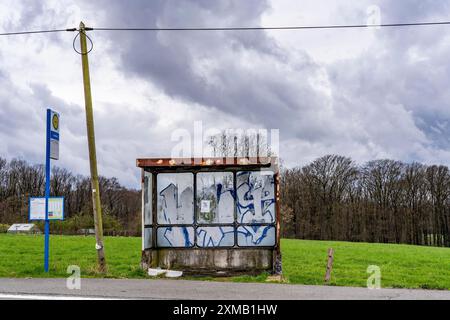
{"x": 51, "y": 152}
{"x": 47, "y": 191}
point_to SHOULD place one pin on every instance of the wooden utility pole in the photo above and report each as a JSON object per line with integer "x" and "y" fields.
{"x": 92, "y": 153}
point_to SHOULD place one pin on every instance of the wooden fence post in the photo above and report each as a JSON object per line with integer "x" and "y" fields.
{"x": 329, "y": 265}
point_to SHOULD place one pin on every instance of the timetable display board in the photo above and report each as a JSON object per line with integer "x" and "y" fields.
{"x": 37, "y": 208}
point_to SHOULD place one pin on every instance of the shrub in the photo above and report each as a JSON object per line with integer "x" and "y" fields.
{"x": 78, "y": 222}
{"x": 4, "y": 228}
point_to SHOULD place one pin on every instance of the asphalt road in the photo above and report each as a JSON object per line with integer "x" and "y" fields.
{"x": 198, "y": 290}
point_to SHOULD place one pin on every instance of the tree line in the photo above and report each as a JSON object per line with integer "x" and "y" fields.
{"x": 19, "y": 180}
{"x": 384, "y": 201}
{"x": 331, "y": 198}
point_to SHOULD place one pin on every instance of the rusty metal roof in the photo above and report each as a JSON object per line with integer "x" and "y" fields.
{"x": 206, "y": 162}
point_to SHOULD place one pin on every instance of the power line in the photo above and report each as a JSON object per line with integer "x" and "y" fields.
{"x": 354, "y": 26}
{"x": 280, "y": 27}
{"x": 36, "y": 32}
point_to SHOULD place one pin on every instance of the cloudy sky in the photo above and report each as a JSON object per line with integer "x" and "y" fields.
{"x": 366, "y": 94}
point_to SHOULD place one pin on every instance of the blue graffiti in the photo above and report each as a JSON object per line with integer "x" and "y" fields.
{"x": 256, "y": 197}
{"x": 175, "y": 202}
{"x": 253, "y": 200}
{"x": 217, "y": 190}
{"x": 256, "y": 235}
{"x": 215, "y": 237}
{"x": 187, "y": 242}
{"x": 175, "y": 237}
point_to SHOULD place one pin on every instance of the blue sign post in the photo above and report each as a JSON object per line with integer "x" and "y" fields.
{"x": 52, "y": 152}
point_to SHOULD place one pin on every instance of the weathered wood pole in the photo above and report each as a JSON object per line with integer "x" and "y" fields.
{"x": 92, "y": 152}
{"x": 329, "y": 265}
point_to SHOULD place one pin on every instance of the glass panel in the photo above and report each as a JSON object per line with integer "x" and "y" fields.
{"x": 256, "y": 197}
{"x": 148, "y": 238}
{"x": 215, "y": 197}
{"x": 215, "y": 236}
{"x": 259, "y": 236}
{"x": 148, "y": 188}
{"x": 175, "y": 237}
{"x": 175, "y": 198}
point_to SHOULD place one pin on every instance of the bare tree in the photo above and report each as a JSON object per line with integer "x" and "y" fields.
{"x": 438, "y": 182}
{"x": 239, "y": 143}
{"x": 329, "y": 199}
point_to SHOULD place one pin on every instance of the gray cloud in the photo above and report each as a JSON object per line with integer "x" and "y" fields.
{"x": 389, "y": 101}
{"x": 245, "y": 74}
{"x": 403, "y": 76}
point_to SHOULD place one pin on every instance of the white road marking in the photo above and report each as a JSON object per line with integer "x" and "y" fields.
{"x": 45, "y": 297}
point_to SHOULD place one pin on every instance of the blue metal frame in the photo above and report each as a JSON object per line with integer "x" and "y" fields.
{"x": 29, "y": 209}
{"x": 47, "y": 191}
{"x": 29, "y": 206}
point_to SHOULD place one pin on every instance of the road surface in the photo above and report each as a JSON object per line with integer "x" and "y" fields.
{"x": 198, "y": 290}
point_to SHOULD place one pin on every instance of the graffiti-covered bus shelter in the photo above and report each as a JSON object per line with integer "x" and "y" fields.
{"x": 209, "y": 216}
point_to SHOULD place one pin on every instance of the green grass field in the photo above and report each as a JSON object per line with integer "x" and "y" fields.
{"x": 304, "y": 262}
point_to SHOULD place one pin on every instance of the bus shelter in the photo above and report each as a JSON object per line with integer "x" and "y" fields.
{"x": 211, "y": 216}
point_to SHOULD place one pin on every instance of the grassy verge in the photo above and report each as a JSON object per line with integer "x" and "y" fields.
{"x": 304, "y": 262}
{"x": 22, "y": 256}
{"x": 402, "y": 266}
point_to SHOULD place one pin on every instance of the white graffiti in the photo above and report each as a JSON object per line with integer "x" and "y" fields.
{"x": 256, "y": 236}
{"x": 215, "y": 236}
{"x": 256, "y": 197}
{"x": 176, "y": 198}
{"x": 215, "y": 197}
{"x": 181, "y": 237}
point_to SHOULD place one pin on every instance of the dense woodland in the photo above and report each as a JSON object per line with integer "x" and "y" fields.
{"x": 381, "y": 201}
{"x": 20, "y": 180}
{"x": 330, "y": 199}
{"x": 333, "y": 198}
